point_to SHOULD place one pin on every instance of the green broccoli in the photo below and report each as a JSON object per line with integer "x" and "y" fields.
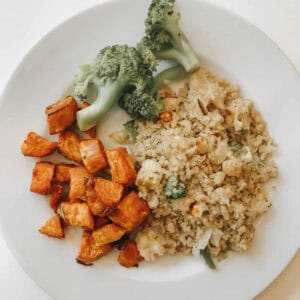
{"x": 147, "y": 106}
{"x": 174, "y": 189}
{"x": 116, "y": 70}
{"x": 141, "y": 106}
{"x": 171, "y": 74}
{"x": 131, "y": 130}
{"x": 165, "y": 38}
{"x": 148, "y": 56}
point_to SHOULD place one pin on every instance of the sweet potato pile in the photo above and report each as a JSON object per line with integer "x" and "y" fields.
{"x": 95, "y": 191}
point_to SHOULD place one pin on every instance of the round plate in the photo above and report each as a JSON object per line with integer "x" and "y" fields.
{"x": 227, "y": 45}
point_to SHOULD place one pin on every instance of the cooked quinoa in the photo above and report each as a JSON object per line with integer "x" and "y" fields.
{"x": 219, "y": 147}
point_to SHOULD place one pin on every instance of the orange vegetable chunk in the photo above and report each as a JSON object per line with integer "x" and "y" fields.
{"x": 130, "y": 212}
{"x": 94, "y": 202}
{"x": 77, "y": 214}
{"x": 108, "y": 192}
{"x": 93, "y": 155}
{"x": 42, "y": 175}
{"x": 78, "y": 179}
{"x": 53, "y": 228}
{"x": 55, "y": 196}
{"x": 107, "y": 234}
{"x": 122, "y": 167}
{"x": 69, "y": 146}
{"x": 37, "y": 146}
{"x": 89, "y": 251}
{"x": 61, "y": 115}
{"x": 62, "y": 172}
{"x": 129, "y": 255}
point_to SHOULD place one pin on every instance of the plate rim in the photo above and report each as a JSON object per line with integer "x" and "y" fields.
{"x": 19, "y": 64}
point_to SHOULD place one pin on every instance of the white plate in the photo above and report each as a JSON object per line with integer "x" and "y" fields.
{"x": 227, "y": 45}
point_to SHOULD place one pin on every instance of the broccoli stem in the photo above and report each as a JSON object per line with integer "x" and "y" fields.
{"x": 187, "y": 59}
{"x": 107, "y": 96}
{"x": 182, "y": 52}
{"x": 173, "y": 73}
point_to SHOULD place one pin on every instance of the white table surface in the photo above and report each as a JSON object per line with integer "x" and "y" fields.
{"x": 22, "y": 23}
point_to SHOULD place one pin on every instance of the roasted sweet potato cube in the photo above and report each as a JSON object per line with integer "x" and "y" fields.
{"x": 108, "y": 192}
{"x": 93, "y": 155}
{"x": 53, "y": 228}
{"x": 78, "y": 178}
{"x": 77, "y": 214}
{"x": 89, "y": 251}
{"x": 92, "y": 132}
{"x": 61, "y": 115}
{"x": 42, "y": 175}
{"x": 122, "y": 167}
{"x": 102, "y": 195}
{"x": 37, "y": 146}
{"x": 62, "y": 172}
{"x": 130, "y": 212}
{"x": 129, "y": 255}
{"x": 69, "y": 146}
{"x": 55, "y": 196}
{"x": 93, "y": 201}
{"x": 107, "y": 234}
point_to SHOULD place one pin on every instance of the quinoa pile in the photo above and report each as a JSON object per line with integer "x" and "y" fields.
{"x": 219, "y": 147}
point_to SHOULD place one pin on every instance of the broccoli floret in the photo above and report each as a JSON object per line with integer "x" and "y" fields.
{"x": 171, "y": 74}
{"x": 148, "y": 105}
{"x": 141, "y": 105}
{"x": 131, "y": 130}
{"x": 165, "y": 38}
{"x": 174, "y": 189}
{"x": 83, "y": 85}
{"x": 116, "y": 70}
{"x": 148, "y": 56}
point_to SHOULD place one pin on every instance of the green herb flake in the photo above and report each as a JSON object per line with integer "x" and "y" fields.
{"x": 205, "y": 213}
{"x": 207, "y": 257}
{"x": 235, "y": 147}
